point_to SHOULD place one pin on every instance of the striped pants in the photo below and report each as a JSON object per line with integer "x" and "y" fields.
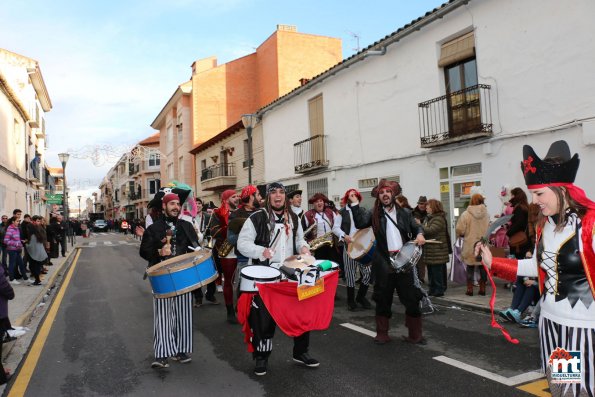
{"x": 351, "y": 270}
{"x": 553, "y": 335}
{"x": 172, "y": 319}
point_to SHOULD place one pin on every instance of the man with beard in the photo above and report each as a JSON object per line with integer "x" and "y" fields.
{"x": 249, "y": 202}
{"x": 254, "y": 242}
{"x": 172, "y": 316}
{"x": 393, "y": 227}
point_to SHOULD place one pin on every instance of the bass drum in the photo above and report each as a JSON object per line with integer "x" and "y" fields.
{"x": 363, "y": 246}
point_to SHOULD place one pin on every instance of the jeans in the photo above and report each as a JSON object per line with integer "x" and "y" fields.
{"x": 523, "y": 295}
{"x": 15, "y": 259}
{"x": 436, "y": 278}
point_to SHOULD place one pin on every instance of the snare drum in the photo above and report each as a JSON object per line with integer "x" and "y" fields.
{"x": 407, "y": 257}
{"x": 250, "y": 275}
{"x": 182, "y": 274}
{"x": 363, "y": 246}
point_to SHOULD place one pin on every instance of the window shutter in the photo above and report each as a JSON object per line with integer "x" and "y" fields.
{"x": 456, "y": 50}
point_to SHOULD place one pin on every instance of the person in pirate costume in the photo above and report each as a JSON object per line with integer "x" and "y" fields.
{"x": 320, "y": 220}
{"x": 249, "y": 202}
{"x": 172, "y": 316}
{"x": 393, "y": 227}
{"x": 295, "y": 200}
{"x": 564, "y": 261}
{"x": 344, "y": 228}
{"x": 253, "y": 242}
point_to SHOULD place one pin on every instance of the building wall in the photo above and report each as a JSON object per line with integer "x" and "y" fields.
{"x": 541, "y": 91}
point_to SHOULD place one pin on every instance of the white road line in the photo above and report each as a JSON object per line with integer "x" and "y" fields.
{"x": 359, "y": 329}
{"x": 92, "y": 244}
{"x": 108, "y": 243}
{"x": 512, "y": 381}
{"x": 123, "y": 242}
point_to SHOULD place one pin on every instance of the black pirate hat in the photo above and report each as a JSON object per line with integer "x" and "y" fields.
{"x": 557, "y": 167}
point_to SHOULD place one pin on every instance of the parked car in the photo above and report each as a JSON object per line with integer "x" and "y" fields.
{"x": 100, "y": 225}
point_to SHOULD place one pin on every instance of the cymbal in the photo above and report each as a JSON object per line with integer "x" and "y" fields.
{"x": 299, "y": 261}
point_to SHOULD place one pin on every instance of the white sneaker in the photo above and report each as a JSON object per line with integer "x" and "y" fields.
{"x": 15, "y": 282}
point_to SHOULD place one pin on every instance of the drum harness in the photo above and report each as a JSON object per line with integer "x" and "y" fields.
{"x": 425, "y": 303}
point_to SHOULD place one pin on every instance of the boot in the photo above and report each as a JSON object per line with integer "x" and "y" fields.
{"x": 469, "y": 288}
{"x": 361, "y": 297}
{"x": 415, "y": 336}
{"x": 381, "y": 330}
{"x": 482, "y": 288}
{"x": 351, "y": 306}
{"x": 231, "y": 315}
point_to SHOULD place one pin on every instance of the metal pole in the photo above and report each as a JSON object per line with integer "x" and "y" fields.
{"x": 249, "y": 131}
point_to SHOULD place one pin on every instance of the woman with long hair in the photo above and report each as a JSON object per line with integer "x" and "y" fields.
{"x": 519, "y": 222}
{"x": 564, "y": 261}
{"x": 436, "y": 255}
{"x": 472, "y": 225}
{"x": 36, "y": 248}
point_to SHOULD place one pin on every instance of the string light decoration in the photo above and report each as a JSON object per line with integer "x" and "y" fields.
{"x": 102, "y": 154}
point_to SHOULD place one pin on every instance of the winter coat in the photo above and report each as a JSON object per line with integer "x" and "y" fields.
{"x": 435, "y": 227}
{"x": 6, "y": 294}
{"x": 12, "y": 238}
{"x": 472, "y": 226}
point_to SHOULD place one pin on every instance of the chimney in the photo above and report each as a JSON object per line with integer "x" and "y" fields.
{"x": 303, "y": 81}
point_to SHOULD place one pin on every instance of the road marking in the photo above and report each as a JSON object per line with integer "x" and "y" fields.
{"x": 92, "y": 244}
{"x": 108, "y": 243}
{"x": 359, "y": 329}
{"x": 123, "y": 242}
{"x": 539, "y": 388}
{"x": 512, "y": 381}
{"x": 26, "y": 372}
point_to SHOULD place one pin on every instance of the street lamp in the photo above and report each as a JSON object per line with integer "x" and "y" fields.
{"x": 64, "y": 159}
{"x": 249, "y": 121}
{"x": 79, "y": 197}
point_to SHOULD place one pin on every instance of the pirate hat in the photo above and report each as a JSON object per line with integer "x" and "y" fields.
{"x": 556, "y": 168}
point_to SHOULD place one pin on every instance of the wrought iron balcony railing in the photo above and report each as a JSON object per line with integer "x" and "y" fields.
{"x": 217, "y": 170}
{"x": 310, "y": 154}
{"x": 457, "y": 116}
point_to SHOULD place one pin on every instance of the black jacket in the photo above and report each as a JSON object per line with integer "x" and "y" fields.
{"x": 406, "y": 224}
{"x": 151, "y": 242}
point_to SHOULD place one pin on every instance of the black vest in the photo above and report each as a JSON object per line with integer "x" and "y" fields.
{"x": 261, "y": 222}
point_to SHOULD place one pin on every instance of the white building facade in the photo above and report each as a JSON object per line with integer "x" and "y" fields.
{"x": 443, "y": 104}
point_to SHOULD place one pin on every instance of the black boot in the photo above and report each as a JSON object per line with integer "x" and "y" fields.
{"x": 231, "y": 315}
{"x": 361, "y": 297}
{"x": 351, "y": 306}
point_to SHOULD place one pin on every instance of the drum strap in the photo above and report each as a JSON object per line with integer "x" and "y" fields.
{"x": 394, "y": 223}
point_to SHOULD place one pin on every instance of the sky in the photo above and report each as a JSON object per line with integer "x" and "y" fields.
{"x": 110, "y": 66}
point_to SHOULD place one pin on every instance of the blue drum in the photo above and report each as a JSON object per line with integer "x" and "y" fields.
{"x": 182, "y": 274}
{"x": 363, "y": 246}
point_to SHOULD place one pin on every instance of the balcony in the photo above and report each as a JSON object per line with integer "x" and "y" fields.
{"x": 310, "y": 154}
{"x": 455, "y": 117}
{"x": 218, "y": 177}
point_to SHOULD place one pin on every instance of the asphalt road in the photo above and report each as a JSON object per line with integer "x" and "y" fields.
{"x": 100, "y": 344}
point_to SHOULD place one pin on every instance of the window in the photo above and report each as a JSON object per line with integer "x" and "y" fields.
{"x": 170, "y": 138}
{"x": 292, "y": 188}
{"x": 317, "y": 186}
{"x": 180, "y": 129}
{"x": 153, "y": 186}
{"x": 315, "y": 115}
{"x": 203, "y": 164}
{"x": 154, "y": 159}
{"x": 170, "y": 171}
{"x": 181, "y": 168}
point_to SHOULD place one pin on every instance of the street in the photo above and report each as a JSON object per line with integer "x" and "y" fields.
{"x": 100, "y": 343}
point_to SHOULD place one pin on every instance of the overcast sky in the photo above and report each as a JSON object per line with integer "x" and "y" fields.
{"x": 110, "y": 66}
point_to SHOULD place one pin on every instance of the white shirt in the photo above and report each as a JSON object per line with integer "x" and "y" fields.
{"x": 337, "y": 225}
{"x": 323, "y": 224}
{"x": 393, "y": 235}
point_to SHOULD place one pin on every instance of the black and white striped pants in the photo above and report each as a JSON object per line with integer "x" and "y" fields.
{"x": 172, "y": 319}
{"x": 351, "y": 270}
{"x": 553, "y": 335}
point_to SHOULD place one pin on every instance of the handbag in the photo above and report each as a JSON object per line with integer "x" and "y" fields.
{"x": 518, "y": 239}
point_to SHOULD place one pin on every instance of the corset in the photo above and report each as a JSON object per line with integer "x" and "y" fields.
{"x": 572, "y": 281}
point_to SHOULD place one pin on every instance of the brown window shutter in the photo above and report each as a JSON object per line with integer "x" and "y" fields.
{"x": 456, "y": 50}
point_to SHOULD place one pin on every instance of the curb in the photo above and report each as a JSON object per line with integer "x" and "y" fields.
{"x": 463, "y": 305}
{"x": 24, "y": 319}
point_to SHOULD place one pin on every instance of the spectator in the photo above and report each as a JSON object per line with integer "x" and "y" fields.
{"x": 519, "y": 222}
{"x": 3, "y": 227}
{"x": 14, "y": 245}
{"x": 403, "y": 202}
{"x": 472, "y": 225}
{"x": 6, "y": 294}
{"x": 419, "y": 212}
{"x": 53, "y": 236}
{"x": 36, "y": 248}
{"x": 436, "y": 255}
{"x": 62, "y": 228}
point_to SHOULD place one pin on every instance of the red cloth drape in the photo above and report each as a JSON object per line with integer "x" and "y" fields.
{"x": 295, "y": 317}
{"x": 244, "y": 305}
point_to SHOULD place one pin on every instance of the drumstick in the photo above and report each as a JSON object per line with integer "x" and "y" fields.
{"x": 433, "y": 241}
{"x": 274, "y": 242}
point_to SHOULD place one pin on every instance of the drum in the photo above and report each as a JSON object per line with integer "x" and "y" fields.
{"x": 407, "y": 257}
{"x": 299, "y": 261}
{"x": 363, "y": 246}
{"x": 250, "y": 275}
{"x": 182, "y": 274}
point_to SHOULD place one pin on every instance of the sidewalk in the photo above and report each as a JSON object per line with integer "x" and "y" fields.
{"x": 455, "y": 296}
